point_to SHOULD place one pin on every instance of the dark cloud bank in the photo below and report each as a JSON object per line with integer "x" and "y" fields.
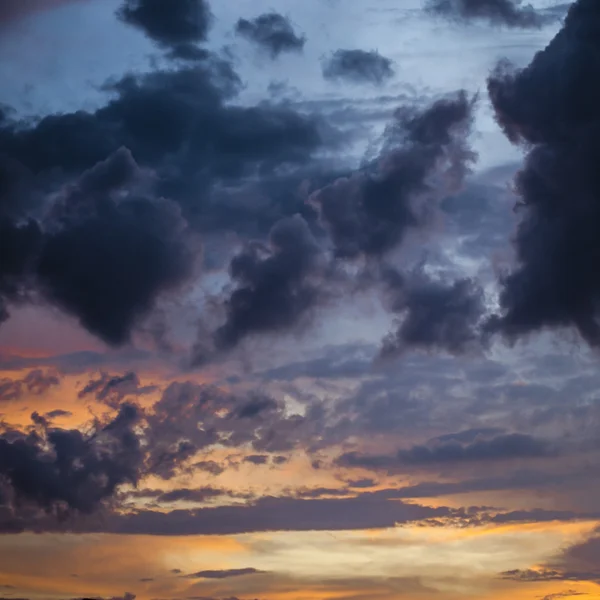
{"x": 171, "y": 161}
{"x": 133, "y": 185}
{"x": 511, "y": 13}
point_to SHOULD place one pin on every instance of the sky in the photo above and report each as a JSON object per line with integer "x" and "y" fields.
{"x": 299, "y": 300}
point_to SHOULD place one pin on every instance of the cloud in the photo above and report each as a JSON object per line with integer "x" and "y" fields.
{"x": 212, "y": 417}
{"x": 224, "y": 573}
{"x": 275, "y": 288}
{"x": 370, "y": 212}
{"x": 169, "y": 24}
{"x": 202, "y": 152}
{"x": 276, "y": 514}
{"x": 519, "y": 480}
{"x": 58, "y": 412}
{"x": 257, "y": 459}
{"x": 498, "y": 12}
{"x": 272, "y": 32}
{"x": 100, "y": 255}
{"x": 209, "y": 466}
{"x": 36, "y": 382}
{"x": 19, "y": 243}
{"x": 538, "y": 575}
{"x": 113, "y": 390}
{"x": 201, "y": 494}
{"x": 433, "y": 314}
{"x": 64, "y": 470}
{"x": 108, "y": 266}
{"x": 565, "y": 594}
{"x": 359, "y": 66}
{"x": 555, "y": 283}
{"x": 502, "y": 447}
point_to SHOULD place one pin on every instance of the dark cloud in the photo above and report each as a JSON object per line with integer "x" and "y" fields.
{"x": 321, "y": 492}
{"x": 520, "y": 479}
{"x": 190, "y": 495}
{"x": 359, "y": 66}
{"x": 511, "y": 13}
{"x": 370, "y": 212}
{"x": 538, "y": 575}
{"x": 255, "y": 407}
{"x": 107, "y": 266}
{"x": 275, "y": 290}
{"x": 551, "y": 109}
{"x": 433, "y": 314}
{"x": 503, "y": 447}
{"x": 190, "y": 143}
{"x": 224, "y": 574}
{"x": 279, "y": 514}
{"x": 99, "y": 254}
{"x": 257, "y": 459}
{"x": 209, "y": 466}
{"x": 63, "y": 470}
{"x": 19, "y": 243}
{"x": 113, "y": 390}
{"x": 58, "y": 412}
{"x": 170, "y": 24}
{"x": 36, "y": 382}
{"x": 272, "y": 32}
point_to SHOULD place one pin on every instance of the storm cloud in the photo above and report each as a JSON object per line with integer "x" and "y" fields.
{"x": 551, "y": 108}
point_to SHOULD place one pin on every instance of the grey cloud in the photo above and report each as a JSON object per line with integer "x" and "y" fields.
{"x": 58, "y": 412}
{"x": 64, "y": 470}
{"x": 201, "y": 142}
{"x": 511, "y": 13}
{"x": 555, "y": 282}
{"x": 502, "y": 447}
{"x": 225, "y": 573}
{"x": 358, "y": 66}
{"x": 209, "y": 466}
{"x": 170, "y": 24}
{"x": 257, "y": 459}
{"x": 272, "y": 32}
{"x": 370, "y": 212}
{"x": 278, "y": 514}
{"x": 275, "y": 290}
{"x": 112, "y": 390}
{"x": 434, "y": 315}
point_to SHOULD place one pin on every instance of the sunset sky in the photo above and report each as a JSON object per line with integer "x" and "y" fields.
{"x": 299, "y": 299}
